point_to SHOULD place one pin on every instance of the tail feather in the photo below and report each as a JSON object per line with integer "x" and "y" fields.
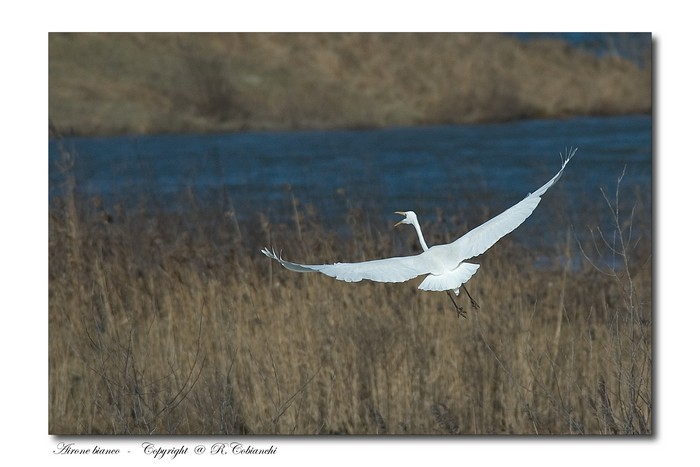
{"x": 451, "y": 280}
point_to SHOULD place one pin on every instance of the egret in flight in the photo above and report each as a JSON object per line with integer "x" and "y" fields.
{"x": 444, "y": 265}
{"x": 410, "y": 217}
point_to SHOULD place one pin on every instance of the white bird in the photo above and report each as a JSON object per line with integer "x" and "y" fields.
{"x": 410, "y": 217}
{"x": 444, "y": 264}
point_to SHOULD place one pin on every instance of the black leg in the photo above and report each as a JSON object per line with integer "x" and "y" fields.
{"x": 474, "y": 304}
{"x": 460, "y": 310}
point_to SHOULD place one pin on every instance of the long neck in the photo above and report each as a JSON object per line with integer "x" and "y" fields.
{"x": 420, "y": 235}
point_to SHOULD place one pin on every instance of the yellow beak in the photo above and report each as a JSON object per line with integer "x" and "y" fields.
{"x": 399, "y": 222}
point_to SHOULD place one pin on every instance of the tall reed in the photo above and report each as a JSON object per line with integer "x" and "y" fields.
{"x": 175, "y": 323}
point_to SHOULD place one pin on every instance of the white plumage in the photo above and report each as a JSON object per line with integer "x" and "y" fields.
{"x": 445, "y": 264}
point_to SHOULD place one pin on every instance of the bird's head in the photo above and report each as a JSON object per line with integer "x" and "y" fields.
{"x": 409, "y": 217}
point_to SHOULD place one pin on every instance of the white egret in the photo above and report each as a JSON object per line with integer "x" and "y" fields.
{"x": 445, "y": 264}
{"x": 410, "y": 217}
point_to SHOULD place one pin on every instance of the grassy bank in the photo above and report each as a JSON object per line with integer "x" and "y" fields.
{"x": 175, "y": 323}
{"x": 147, "y": 83}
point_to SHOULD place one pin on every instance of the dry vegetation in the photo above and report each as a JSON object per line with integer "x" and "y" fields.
{"x": 145, "y": 83}
{"x": 174, "y": 323}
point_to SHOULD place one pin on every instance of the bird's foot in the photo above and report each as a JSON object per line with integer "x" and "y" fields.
{"x": 460, "y": 312}
{"x": 474, "y": 304}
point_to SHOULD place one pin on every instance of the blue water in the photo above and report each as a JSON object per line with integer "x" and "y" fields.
{"x": 453, "y": 168}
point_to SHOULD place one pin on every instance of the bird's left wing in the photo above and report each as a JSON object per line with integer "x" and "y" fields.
{"x": 396, "y": 269}
{"x": 480, "y": 239}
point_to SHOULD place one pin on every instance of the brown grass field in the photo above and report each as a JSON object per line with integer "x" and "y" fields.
{"x": 175, "y": 82}
{"x": 164, "y": 323}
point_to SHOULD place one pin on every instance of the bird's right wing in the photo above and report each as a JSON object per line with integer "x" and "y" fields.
{"x": 396, "y": 269}
{"x": 480, "y": 239}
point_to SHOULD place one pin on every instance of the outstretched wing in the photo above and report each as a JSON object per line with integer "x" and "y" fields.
{"x": 480, "y": 239}
{"x": 397, "y": 269}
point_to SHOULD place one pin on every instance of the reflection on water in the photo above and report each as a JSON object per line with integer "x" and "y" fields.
{"x": 477, "y": 169}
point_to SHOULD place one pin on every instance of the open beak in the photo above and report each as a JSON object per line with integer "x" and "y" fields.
{"x": 401, "y": 221}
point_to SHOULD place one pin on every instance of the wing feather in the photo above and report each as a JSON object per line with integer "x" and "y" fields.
{"x": 396, "y": 269}
{"x": 439, "y": 260}
{"x": 480, "y": 239}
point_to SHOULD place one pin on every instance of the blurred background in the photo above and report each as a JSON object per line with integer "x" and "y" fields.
{"x": 389, "y": 122}
{"x": 107, "y": 84}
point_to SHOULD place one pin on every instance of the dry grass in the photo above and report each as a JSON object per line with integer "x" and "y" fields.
{"x": 175, "y": 323}
{"x": 145, "y": 83}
